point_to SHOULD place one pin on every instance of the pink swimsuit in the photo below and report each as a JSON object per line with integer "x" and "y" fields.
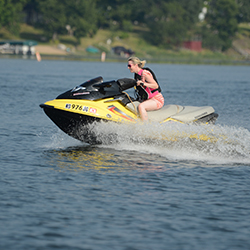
{"x": 159, "y": 100}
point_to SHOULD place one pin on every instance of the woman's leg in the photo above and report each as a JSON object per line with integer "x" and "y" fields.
{"x": 148, "y": 105}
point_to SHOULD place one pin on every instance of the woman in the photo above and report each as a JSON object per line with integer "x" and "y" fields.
{"x": 146, "y": 78}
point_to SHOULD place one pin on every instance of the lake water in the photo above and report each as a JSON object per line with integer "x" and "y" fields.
{"x": 58, "y": 193}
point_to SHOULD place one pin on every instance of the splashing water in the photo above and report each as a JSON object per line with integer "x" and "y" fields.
{"x": 214, "y": 144}
{"x": 61, "y": 141}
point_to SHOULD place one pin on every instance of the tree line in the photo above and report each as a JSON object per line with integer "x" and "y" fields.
{"x": 168, "y": 22}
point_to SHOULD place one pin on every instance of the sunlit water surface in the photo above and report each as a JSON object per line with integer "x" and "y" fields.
{"x": 174, "y": 193}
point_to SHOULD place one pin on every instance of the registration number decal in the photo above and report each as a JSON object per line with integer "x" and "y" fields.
{"x": 80, "y": 108}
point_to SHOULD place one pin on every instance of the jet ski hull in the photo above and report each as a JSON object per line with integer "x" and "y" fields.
{"x": 95, "y": 101}
{"x": 76, "y": 124}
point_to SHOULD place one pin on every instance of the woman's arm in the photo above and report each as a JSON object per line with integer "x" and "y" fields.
{"x": 148, "y": 80}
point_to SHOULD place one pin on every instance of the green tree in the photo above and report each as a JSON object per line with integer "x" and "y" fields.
{"x": 222, "y": 20}
{"x": 192, "y": 8}
{"x": 169, "y": 21}
{"x": 77, "y": 16}
{"x": 166, "y": 24}
{"x": 32, "y": 12}
{"x": 11, "y": 14}
{"x": 116, "y": 14}
{"x": 1, "y": 12}
{"x": 53, "y": 18}
{"x": 81, "y": 17}
{"x": 244, "y": 11}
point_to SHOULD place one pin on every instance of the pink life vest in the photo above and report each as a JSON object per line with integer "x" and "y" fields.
{"x": 151, "y": 92}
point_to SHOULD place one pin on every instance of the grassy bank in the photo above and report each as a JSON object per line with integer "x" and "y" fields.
{"x": 104, "y": 40}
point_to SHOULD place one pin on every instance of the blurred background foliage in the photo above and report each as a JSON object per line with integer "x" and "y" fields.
{"x": 162, "y": 23}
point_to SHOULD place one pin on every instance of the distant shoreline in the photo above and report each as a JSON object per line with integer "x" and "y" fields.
{"x": 113, "y": 58}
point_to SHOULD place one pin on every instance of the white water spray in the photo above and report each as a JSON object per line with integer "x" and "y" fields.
{"x": 214, "y": 144}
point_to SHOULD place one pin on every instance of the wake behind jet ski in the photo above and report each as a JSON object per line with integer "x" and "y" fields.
{"x": 96, "y": 100}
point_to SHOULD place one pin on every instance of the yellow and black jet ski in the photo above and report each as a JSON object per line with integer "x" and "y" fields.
{"x": 96, "y": 100}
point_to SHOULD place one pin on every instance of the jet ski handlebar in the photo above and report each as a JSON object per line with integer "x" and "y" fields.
{"x": 126, "y": 83}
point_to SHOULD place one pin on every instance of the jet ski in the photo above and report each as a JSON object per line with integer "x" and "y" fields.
{"x": 96, "y": 100}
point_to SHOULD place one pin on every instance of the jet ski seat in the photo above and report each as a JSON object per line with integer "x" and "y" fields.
{"x": 160, "y": 114}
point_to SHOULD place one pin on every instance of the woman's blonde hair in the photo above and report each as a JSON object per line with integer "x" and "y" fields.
{"x": 136, "y": 60}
